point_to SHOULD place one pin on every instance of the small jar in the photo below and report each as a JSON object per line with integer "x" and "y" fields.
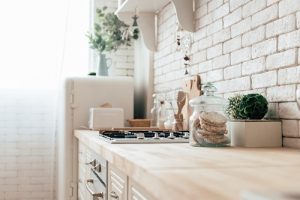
{"x": 208, "y": 123}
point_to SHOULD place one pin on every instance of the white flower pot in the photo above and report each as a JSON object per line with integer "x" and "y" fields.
{"x": 255, "y": 133}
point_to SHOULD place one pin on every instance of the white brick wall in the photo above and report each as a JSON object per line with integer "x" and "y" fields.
{"x": 242, "y": 46}
{"x": 27, "y": 156}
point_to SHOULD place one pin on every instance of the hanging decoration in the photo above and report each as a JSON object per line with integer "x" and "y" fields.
{"x": 183, "y": 44}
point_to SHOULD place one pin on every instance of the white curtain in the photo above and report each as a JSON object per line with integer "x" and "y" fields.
{"x": 41, "y": 42}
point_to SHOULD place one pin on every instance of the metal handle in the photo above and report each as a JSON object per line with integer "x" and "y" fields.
{"x": 114, "y": 195}
{"x": 93, "y": 163}
{"x": 97, "y": 168}
{"x": 94, "y": 194}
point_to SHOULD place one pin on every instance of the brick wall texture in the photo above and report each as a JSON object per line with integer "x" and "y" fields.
{"x": 27, "y": 150}
{"x": 242, "y": 46}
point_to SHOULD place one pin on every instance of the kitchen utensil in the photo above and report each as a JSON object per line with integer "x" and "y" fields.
{"x": 181, "y": 99}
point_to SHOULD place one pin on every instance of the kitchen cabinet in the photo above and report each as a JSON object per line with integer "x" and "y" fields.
{"x": 117, "y": 184}
{"x": 122, "y": 187}
{"x": 147, "y": 13}
{"x": 136, "y": 192}
{"x": 82, "y": 171}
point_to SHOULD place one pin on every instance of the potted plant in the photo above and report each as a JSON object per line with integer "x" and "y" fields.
{"x": 247, "y": 126}
{"x": 109, "y": 34}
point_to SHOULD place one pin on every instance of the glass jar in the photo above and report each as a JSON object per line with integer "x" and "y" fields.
{"x": 161, "y": 115}
{"x": 208, "y": 123}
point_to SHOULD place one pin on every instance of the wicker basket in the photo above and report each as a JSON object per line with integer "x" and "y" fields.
{"x": 139, "y": 122}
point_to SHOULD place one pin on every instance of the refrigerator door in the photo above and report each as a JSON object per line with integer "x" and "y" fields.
{"x": 79, "y": 95}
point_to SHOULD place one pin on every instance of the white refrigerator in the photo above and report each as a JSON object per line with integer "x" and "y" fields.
{"x": 78, "y": 96}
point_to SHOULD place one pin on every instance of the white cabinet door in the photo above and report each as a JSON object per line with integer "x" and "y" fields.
{"x": 117, "y": 184}
{"x": 136, "y": 192}
{"x": 82, "y": 159}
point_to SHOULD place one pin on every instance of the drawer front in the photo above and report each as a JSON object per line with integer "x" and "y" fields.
{"x": 136, "y": 192}
{"x": 117, "y": 184}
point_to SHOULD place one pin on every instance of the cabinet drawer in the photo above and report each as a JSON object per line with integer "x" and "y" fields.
{"x": 136, "y": 192}
{"x": 117, "y": 184}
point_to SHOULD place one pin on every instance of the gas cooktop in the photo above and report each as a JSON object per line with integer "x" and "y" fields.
{"x": 146, "y": 136}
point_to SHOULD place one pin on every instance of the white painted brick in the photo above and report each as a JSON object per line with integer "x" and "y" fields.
{"x": 201, "y": 11}
{"x": 205, "y": 66}
{"x": 237, "y": 3}
{"x": 212, "y": 5}
{"x": 205, "y": 20}
{"x": 254, "y": 36}
{"x": 265, "y": 16}
{"x": 290, "y": 128}
{"x": 200, "y": 34}
{"x": 215, "y": 75}
{"x": 214, "y": 27}
{"x": 253, "y": 7}
{"x": 253, "y": 66}
{"x": 289, "y": 75}
{"x": 214, "y": 51}
{"x": 221, "y": 36}
{"x": 241, "y": 27}
{"x": 266, "y": 79}
{"x": 199, "y": 57}
{"x": 288, "y": 6}
{"x": 205, "y": 43}
{"x": 289, "y": 40}
{"x": 220, "y": 12}
{"x": 280, "y": 26}
{"x": 233, "y": 18}
{"x": 281, "y": 93}
{"x": 240, "y": 55}
{"x": 273, "y": 111}
{"x": 283, "y": 59}
{"x": 238, "y": 84}
{"x": 298, "y": 19}
{"x": 221, "y": 61}
{"x": 233, "y": 72}
{"x": 289, "y": 110}
{"x": 232, "y": 45}
{"x": 264, "y": 48}
{"x": 270, "y": 2}
{"x": 291, "y": 142}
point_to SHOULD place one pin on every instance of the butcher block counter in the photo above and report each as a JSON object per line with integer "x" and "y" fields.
{"x": 183, "y": 172}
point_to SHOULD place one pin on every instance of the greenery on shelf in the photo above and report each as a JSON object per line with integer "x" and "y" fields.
{"x": 110, "y": 33}
{"x": 250, "y": 106}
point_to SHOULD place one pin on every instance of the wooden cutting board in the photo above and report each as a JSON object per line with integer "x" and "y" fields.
{"x": 192, "y": 88}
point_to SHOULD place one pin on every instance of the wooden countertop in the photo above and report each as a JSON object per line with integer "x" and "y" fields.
{"x": 180, "y": 171}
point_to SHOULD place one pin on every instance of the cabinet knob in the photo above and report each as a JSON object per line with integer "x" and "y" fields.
{"x": 114, "y": 195}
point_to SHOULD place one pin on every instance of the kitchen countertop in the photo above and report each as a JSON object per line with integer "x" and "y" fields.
{"x": 180, "y": 171}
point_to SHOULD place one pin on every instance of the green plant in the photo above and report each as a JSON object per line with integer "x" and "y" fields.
{"x": 232, "y": 109}
{"x": 109, "y": 32}
{"x": 250, "y": 106}
{"x": 253, "y": 106}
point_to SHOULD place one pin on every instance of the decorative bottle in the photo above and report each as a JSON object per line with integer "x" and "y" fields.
{"x": 161, "y": 115}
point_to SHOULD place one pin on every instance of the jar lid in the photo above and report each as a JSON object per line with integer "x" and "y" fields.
{"x": 208, "y": 98}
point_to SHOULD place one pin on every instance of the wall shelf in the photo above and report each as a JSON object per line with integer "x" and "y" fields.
{"x": 147, "y": 10}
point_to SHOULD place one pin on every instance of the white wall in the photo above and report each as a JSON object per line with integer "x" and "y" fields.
{"x": 242, "y": 46}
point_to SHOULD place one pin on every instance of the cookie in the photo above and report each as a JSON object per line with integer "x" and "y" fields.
{"x": 221, "y": 139}
{"x": 196, "y": 123}
{"x": 213, "y": 118}
{"x": 207, "y": 133}
{"x": 214, "y": 129}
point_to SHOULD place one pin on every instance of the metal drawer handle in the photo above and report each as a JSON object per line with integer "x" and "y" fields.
{"x": 94, "y": 194}
{"x": 114, "y": 195}
{"x": 93, "y": 163}
{"x": 97, "y": 168}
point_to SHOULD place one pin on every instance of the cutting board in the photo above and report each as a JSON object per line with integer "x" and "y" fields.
{"x": 192, "y": 88}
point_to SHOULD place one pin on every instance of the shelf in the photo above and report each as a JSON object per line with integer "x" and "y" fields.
{"x": 147, "y": 10}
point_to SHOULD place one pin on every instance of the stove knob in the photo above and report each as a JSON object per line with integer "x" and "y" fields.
{"x": 156, "y": 136}
{"x": 171, "y": 136}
